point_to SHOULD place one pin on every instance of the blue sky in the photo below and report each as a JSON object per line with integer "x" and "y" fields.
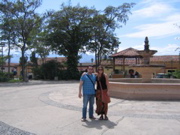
{"x": 153, "y": 18}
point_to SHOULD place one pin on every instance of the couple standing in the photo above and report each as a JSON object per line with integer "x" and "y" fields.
{"x": 88, "y": 81}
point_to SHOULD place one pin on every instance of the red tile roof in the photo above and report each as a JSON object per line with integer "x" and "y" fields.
{"x": 165, "y": 58}
{"x": 59, "y": 59}
{"x": 11, "y": 65}
{"x": 129, "y": 61}
{"x": 129, "y": 52}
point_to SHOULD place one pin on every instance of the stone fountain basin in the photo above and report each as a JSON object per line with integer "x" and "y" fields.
{"x": 133, "y": 89}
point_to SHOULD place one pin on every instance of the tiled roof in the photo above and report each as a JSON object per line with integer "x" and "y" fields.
{"x": 129, "y": 61}
{"x": 86, "y": 64}
{"x": 11, "y": 65}
{"x": 129, "y": 52}
{"x": 59, "y": 59}
{"x": 165, "y": 58}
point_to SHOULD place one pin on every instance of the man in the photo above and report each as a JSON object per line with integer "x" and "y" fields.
{"x": 87, "y": 81}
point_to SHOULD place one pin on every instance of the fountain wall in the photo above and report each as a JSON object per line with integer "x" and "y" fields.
{"x": 133, "y": 89}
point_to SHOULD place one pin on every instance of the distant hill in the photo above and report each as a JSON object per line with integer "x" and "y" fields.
{"x": 86, "y": 58}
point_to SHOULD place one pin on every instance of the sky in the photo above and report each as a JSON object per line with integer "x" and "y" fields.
{"x": 156, "y": 19}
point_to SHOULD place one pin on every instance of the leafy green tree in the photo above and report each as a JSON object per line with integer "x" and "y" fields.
{"x": 25, "y": 62}
{"x": 40, "y": 46}
{"x": 34, "y": 59}
{"x": 51, "y": 69}
{"x": 3, "y": 60}
{"x": 25, "y": 23}
{"x": 7, "y": 27}
{"x": 177, "y": 74}
{"x": 69, "y": 32}
{"x": 104, "y": 25}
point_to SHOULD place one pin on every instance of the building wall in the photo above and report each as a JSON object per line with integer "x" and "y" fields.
{"x": 169, "y": 65}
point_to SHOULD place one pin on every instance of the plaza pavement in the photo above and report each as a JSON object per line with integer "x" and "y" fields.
{"x": 53, "y": 108}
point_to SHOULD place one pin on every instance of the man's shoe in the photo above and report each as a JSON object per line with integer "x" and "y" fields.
{"x": 83, "y": 119}
{"x": 92, "y": 118}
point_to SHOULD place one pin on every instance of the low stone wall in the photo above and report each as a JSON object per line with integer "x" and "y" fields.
{"x": 145, "y": 91}
{"x": 117, "y": 76}
{"x": 165, "y": 80}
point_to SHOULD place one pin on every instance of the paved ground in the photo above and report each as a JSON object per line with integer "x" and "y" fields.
{"x": 53, "y": 108}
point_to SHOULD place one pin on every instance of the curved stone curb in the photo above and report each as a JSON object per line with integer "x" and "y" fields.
{"x": 44, "y": 98}
{"x": 34, "y": 82}
{"x": 6, "y": 129}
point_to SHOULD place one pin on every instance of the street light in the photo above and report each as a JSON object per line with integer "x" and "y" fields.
{"x": 2, "y": 44}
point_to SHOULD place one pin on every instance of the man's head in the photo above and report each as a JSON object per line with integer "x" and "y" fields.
{"x": 90, "y": 69}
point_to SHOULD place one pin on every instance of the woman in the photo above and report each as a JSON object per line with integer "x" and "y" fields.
{"x": 102, "y": 84}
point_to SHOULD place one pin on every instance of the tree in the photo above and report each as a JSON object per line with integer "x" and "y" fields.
{"x": 7, "y": 27}
{"x": 69, "y": 32}
{"x": 104, "y": 25}
{"x": 51, "y": 69}
{"x": 40, "y": 46}
{"x": 25, "y": 23}
{"x": 3, "y": 60}
{"x": 177, "y": 74}
{"x": 34, "y": 60}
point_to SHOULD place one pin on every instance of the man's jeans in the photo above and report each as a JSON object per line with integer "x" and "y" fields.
{"x": 86, "y": 99}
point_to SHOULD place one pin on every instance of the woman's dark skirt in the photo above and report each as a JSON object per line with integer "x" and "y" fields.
{"x": 101, "y": 108}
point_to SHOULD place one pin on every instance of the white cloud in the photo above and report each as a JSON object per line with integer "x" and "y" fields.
{"x": 170, "y": 49}
{"x": 162, "y": 16}
{"x": 138, "y": 47}
{"x": 155, "y": 30}
{"x": 154, "y": 10}
{"x": 173, "y": 18}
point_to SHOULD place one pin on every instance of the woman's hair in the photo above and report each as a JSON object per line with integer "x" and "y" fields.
{"x": 100, "y": 67}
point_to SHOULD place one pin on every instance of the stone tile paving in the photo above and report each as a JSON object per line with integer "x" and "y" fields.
{"x": 6, "y": 129}
{"x": 45, "y": 98}
{"x": 162, "y": 110}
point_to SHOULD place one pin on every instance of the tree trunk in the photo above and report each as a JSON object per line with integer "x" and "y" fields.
{"x": 72, "y": 61}
{"x": 23, "y": 63}
{"x": 9, "y": 58}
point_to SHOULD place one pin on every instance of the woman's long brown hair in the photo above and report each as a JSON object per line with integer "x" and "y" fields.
{"x": 102, "y": 75}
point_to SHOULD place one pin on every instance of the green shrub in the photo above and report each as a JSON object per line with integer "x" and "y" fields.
{"x": 177, "y": 74}
{"x": 52, "y": 69}
{"x": 4, "y": 77}
{"x": 14, "y": 81}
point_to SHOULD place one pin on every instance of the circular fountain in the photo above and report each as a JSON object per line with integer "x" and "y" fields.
{"x": 146, "y": 69}
{"x": 145, "y": 88}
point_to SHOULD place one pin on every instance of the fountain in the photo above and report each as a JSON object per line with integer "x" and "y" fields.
{"x": 145, "y": 88}
{"x": 146, "y": 69}
{"x": 146, "y": 53}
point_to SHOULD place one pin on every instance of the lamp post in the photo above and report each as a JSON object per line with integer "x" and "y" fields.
{"x": 2, "y": 44}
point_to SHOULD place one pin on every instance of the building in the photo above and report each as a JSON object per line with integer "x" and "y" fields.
{"x": 13, "y": 67}
{"x": 122, "y": 64}
{"x": 122, "y": 61}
